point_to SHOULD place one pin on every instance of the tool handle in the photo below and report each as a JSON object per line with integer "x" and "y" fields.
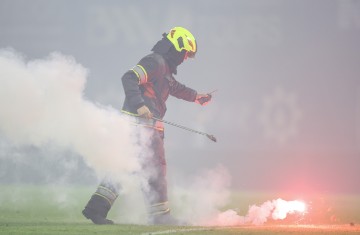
{"x": 211, "y": 137}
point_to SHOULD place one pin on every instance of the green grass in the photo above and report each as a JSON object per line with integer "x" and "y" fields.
{"x": 55, "y": 209}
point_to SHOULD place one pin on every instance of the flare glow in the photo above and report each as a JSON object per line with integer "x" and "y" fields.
{"x": 282, "y": 208}
{"x": 277, "y": 209}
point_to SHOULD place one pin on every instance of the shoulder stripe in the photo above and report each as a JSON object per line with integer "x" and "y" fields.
{"x": 140, "y": 73}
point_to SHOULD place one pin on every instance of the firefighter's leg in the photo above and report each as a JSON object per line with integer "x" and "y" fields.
{"x": 155, "y": 190}
{"x": 100, "y": 203}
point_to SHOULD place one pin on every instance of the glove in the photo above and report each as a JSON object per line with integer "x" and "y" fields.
{"x": 203, "y": 99}
{"x": 144, "y": 112}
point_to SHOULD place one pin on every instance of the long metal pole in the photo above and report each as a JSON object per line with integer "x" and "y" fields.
{"x": 211, "y": 137}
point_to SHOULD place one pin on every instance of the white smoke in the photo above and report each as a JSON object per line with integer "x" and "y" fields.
{"x": 42, "y": 102}
{"x": 198, "y": 199}
{"x": 200, "y": 203}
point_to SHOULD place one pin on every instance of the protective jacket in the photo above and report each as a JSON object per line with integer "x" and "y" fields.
{"x": 150, "y": 83}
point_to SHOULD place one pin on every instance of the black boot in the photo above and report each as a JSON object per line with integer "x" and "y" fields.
{"x": 97, "y": 209}
{"x": 100, "y": 203}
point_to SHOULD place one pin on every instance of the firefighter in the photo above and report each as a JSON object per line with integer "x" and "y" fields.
{"x": 147, "y": 87}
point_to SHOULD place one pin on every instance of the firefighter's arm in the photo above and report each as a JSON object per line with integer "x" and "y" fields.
{"x": 131, "y": 84}
{"x": 181, "y": 91}
{"x": 133, "y": 79}
{"x": 132, "y": 90}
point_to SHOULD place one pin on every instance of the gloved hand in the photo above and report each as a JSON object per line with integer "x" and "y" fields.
{"x": 203, "y": 99}
{"x": 144, "y": 112}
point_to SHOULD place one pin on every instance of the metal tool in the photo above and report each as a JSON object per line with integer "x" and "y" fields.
{"x": 211, "y": 137}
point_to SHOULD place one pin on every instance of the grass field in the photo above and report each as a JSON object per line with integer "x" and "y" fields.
{"x": 39, "y": 210}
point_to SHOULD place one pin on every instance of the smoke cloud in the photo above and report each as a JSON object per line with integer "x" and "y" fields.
{"x": 197, "y": 200}
{"x": 202, "y": 201}
{"x": 42, "y": 103}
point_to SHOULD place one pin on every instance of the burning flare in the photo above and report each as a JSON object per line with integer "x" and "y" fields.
{"x": 276, "y": 209}
{"x": 282, "y": 208}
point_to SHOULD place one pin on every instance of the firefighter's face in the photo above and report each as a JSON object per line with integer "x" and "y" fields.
{"x": 188, "y": 54}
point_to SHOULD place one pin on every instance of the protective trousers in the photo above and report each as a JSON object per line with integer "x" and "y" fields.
{"x": 154, "y": 168}
{"x": 153, "y": 178}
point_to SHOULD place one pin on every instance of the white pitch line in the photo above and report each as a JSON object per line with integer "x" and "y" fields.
{"x": 177, "y": 231}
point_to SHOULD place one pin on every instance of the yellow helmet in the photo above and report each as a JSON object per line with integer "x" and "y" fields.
{"x": 182, "y": 39}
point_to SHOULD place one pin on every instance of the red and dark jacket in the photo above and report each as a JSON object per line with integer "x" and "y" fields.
{"x": 150, "y": 83}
